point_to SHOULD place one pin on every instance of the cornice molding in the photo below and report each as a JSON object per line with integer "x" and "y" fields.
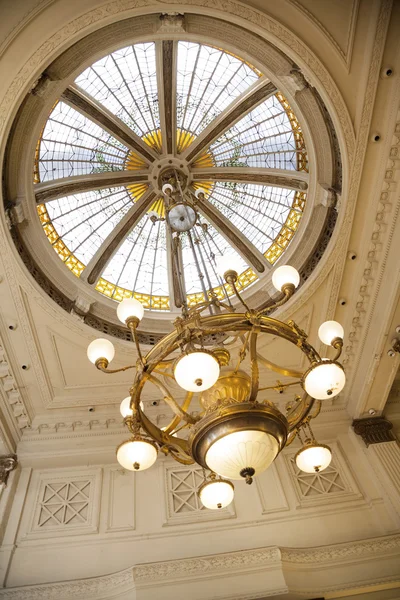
{"x": 206, "y": 565}
{"x": 15, "y": 408}
{"x": 165, "y": 572}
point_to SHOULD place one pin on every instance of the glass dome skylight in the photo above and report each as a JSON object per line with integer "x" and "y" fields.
{"x": 125, "y": 123}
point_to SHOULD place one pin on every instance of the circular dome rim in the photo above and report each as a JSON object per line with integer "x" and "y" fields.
{"x": 103, "y": 311}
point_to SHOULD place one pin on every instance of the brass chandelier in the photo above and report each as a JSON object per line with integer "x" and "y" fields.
{"x": 233, "y": 435}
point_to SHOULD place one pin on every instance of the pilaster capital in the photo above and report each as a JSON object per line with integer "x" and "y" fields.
{"x": 374, "y": 430}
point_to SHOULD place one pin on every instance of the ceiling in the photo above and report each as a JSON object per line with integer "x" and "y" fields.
{"x": 335, "y": 68}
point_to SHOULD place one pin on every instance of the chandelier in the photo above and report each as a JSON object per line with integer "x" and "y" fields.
{"x": 231, "y": 433}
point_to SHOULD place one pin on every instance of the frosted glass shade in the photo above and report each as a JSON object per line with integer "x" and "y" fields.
{"x": 241, "y": 450}
{"x": 330, "y": 330}
{"x": 136, "y": 455}
{"x": 325, "y": 380}
{"x": 284, "y": 275}
{"x": 313, "y": 458}
{"x": 167, "y": 187}
{"x": 198, "y": 192}
{"x": 125, "y": 408}
{"x": 227, "y": 262}
{"x": 216, "y": 494}
{"x": 100, "y": 348}
{"x": 130, "y": 308}
{"x": 197, "y": 371}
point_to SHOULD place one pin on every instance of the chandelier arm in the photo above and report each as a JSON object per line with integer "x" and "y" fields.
{"x": 281, "y": 370}
{"x": 132, "y": 324}
{"x": 255, "y": 376}
{"x": 338, "y": 345}
{"x": 307, "y": 405}
{"x": 100, "y": 366}
{"x": 168, "y": 399}
{"x": 176, "y": 420}
{"x": 281, "y": 386}
{"x": 288, "y": 292}
{"x": 232, "y": 282}
{"x": 167, "y": 443}
{"x": 183, "y": 460}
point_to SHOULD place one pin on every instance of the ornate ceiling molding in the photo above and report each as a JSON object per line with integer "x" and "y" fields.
{"x": 14, "y": 410}
{"x": 385, "y": 220}
{"x": 189, "y": 570}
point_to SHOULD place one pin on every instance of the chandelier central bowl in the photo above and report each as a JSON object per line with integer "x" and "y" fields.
{"x": 238, "y": 438}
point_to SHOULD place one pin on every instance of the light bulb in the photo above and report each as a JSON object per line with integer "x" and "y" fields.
{"x": 167, "y": 187}
{"x": 130, "y": 308}
{"x": 136, "y": 455}
{"x": 313, "y": 458}
{"x": 197, "y": 371}
{"x": 285, "y": 275}
{"x": 229, "y": 455}
{"x": 227, "y": 262}
{"x": 125, "y": 407}
{"x": 217, "y": 493}
{"x": 324, "y": 380}
{"x": 330, "y": 330}
{"x": 100, "y": 348}
{"x": 198, "y": 192}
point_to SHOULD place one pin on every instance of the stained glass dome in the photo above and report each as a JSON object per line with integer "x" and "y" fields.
{"x": 155, "y": 111}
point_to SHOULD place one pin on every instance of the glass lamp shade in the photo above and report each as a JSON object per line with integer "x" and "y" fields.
{"x": 285, "y": 275}
{"x": 197, "y": 371}
{"x": 136, "y": 455}
{"x": 217, "y": 493}
{"x": 324, "y": 380}
{"x": 227, "y": 262}
{"x": 167, "y": 187}
{"x": 130, "y": 308}
{"x": 100, "y": 348}
{"x": 330, "y": 330}
{"x": 198, "y": 192}
{"x": 240, "y": 450}
{"x": 313, "y": 458}
{"x": 125, "y": 407}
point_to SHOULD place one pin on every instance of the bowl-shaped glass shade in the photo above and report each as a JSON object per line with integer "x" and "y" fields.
{"x": 197, "y": 371}
{"x": 136, "y": 455}
{"x": 125, "y": 407}
{"x": 313, "y": 458}
{"x": 285, "y": 275}
{"x": 330, "y": 330}
{"x": 130, "y": 308}
{"x": 241, "y": 450}
{"x": 216, "y": 494}
{"x": 325, "y": 380}
{"x": 100, "y": 348}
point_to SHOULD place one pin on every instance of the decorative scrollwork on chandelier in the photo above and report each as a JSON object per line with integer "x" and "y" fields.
{"x": 232, "y": 433}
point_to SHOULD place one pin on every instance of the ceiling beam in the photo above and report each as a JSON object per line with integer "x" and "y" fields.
{"x": 233, "y": 235}
{"x": 114, "y": 240}
{"x": 260, "y": 91}
{"x": 96, "y": 112}
{"x": 58, "y": 188}
{"x": 166, "y": 57}
{"x": 288, "y": 179}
